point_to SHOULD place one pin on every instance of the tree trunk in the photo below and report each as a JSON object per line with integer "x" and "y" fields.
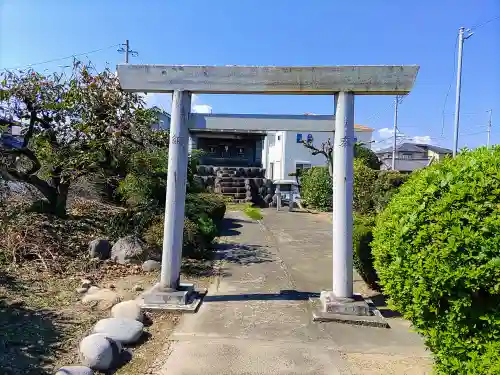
{"x": 59, "y": 201}
{"x": 55, "y": 191}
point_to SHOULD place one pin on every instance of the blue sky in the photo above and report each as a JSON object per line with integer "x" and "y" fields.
{"x": 284, "y": 32}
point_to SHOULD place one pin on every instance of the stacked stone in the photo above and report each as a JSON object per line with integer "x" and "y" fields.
{"x": 241, "y": 183}
{"x": 268, "y": 192}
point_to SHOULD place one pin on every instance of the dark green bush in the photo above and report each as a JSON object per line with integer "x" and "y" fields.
{"x": 214, "y": 205}
{"x": 132, "y": 221}
{"x": 366, "y": 156}
{"x": 362, "y": 252}
{"x": 373, "y": 189}
{"x": 197, "y": 236}
{"x": 203, "y": 214}
{"x": 316, "y": 188}
{"x": 437, "y": 254}
{"x": 363, "y": 187}
{"x": 386, "y": 185}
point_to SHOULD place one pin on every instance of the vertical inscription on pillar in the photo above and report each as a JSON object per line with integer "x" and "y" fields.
{"x": 176, "y": 140}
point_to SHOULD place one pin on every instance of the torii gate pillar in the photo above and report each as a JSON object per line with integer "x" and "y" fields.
{"x": 341, "y": 81}
{"x": 343, "y": 151}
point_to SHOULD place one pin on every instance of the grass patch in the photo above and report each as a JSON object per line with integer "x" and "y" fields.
{"x": 253, "y": 212}
{"x": 247, "y": 208}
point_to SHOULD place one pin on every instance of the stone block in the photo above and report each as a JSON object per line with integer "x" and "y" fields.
{"x": 168, "y": 297}
{"x": 344, "y": 306}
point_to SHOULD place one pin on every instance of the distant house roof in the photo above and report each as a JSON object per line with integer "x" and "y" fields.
{"x": 437, "y": 149}
{"x": 416, "y": 147}
{"x": 363, "y": 128}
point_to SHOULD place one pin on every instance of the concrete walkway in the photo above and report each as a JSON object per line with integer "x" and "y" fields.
{"x": 256, "y": 318}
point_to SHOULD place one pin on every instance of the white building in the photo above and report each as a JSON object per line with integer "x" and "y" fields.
{"x": 279, "y": 152}
{"x": 286, "y": 153}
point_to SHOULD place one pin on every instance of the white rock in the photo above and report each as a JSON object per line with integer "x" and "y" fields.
{"x": 93, "y": 289}
{"x": 124, "y": 330}
{"x": 127, "y": 309}
{"x": 96, "y": 352}
{"x": 151, "y": 265}
{"x": 75, "y": 370}
{"x": 105, "y": 298}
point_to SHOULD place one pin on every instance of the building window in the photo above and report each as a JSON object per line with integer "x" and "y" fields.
{"x": 279, "y": 137}
{"x": 302, "y": 165}
{"x": 406, "y": 156}
{"x": 272, "y": 139}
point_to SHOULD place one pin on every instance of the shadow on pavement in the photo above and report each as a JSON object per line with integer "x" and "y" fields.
{"x": 243, "y": 254}
{"x": 380, "y": 301}
{"x": 284, "y": 295}
{"x": 229, "y": 226}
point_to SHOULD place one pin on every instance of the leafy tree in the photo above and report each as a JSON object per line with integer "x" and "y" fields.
{"x": 71, "y": 126}
{"x": 325, "y": 149}
{"x": 367, "y": 156}
{"x": 316, "y": 189}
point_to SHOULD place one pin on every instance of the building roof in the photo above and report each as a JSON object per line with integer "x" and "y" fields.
{"x": 437, "y": 149}
{"x": 363, "y": 128}
{"x": 416, "y": 147}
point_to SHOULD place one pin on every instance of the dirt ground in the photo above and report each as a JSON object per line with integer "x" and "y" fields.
{"x": 42, "y": 319}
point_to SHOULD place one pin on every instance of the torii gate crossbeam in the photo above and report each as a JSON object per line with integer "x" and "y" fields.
{"x": 344, "y": 82}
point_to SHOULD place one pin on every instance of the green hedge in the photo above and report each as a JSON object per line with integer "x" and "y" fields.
{"x": 363, "y": 187}
{"x": 204, "y": 213}
{"x": 386, "y": 185}
{"x": 437, "y": 254}
{"x": 196, "y": 241}
{"x": 214, "y": 205}
{"x": 362, "y": 237}
{"x": 316, "y": 188}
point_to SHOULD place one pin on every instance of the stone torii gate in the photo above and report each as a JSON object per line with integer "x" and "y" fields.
{"x": 344, "y": 82}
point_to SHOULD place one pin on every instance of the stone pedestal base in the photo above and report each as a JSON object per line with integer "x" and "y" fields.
{"x": 355, "y": 310}
{"x": 184, "y": 298}
{"x": 345, "y": 306}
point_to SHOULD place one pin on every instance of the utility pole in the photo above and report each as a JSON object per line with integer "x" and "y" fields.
{"x": 489, "y": 130}
{"x": 394, "y": 140}
{"x": 126, "y": 50}
{"x": 461, "y": 38}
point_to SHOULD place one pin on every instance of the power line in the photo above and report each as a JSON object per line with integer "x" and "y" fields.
{"x": 451, "y": 83}
{"x": 485, "y": 23}
{"x": 64, "y": 58}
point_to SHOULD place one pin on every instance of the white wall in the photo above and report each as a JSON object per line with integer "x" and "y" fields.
{"x": 285, "y": 152}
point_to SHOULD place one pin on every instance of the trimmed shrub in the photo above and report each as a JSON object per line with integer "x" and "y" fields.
{"x": 386, "y": 185}
{"x": 366, "y": 156}
{"x": 363, "y": 187}
{"x": 203, "y": 214}
{"x": 362, "y": 252}
{"x": 437, "y": 254}
{"x": 316, "y": 188}
{"x": 132, "y": 221}
{"x": 194, "y": 243}
{"x": 214, "y": 205}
